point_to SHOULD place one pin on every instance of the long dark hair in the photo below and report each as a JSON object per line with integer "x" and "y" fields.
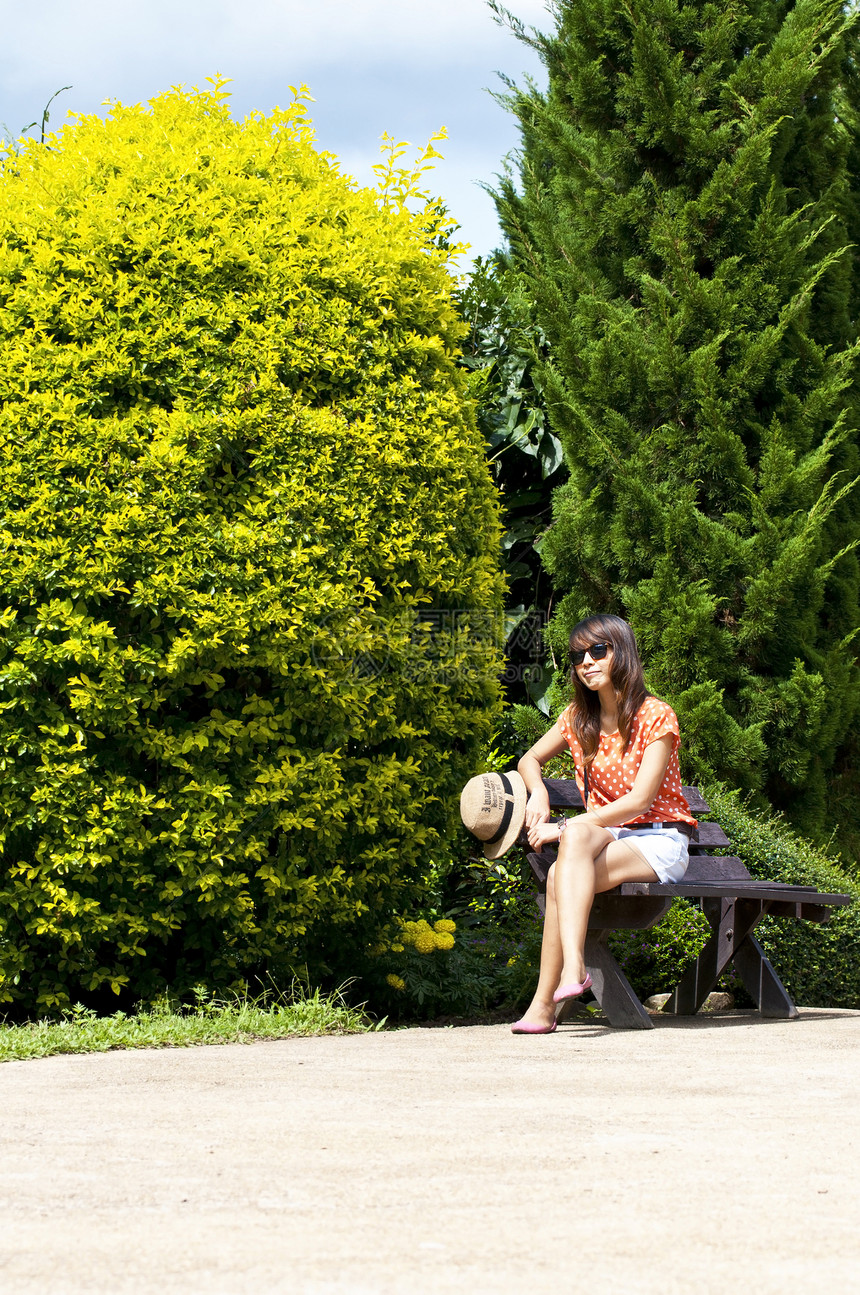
{"x": 625, "y": 674}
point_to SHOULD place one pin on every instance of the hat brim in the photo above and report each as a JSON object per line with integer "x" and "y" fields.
{"x": 495, "y": 849}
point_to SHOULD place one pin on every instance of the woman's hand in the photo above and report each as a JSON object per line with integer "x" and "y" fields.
{"x": 542, "y": 834}
{"x": 537, "y": 807}
{"x": 539, "y": 830}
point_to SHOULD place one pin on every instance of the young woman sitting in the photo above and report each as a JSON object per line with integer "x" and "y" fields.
{"x": 636, "y": 824}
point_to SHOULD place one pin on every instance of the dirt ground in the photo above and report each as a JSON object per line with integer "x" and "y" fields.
{"x": 705, "y": 1155}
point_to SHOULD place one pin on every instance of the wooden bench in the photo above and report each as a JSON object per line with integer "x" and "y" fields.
{"x": 733, "y": 902}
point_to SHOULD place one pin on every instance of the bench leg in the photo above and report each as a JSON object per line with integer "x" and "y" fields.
{"x": 611, "y": 987}
{"x": 701, "y": 975}
{"x": 732, "y": 941}
{"x": 761, "y": 981}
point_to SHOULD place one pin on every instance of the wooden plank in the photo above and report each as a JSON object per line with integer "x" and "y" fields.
{"x": 696, "y": 801}
{"x": 612, "y": 912}
{"x": 833, "y": 901}
{"x": 745, "y": 882}
{"x": 752, "y": 889}
{"x": 563, "y": 793}
{"x": 733, "y": 890}
{"x": 760, "y": 980}
{"x": 540, "y": 865}
{"x": 714, "y": 868}
{"x": 612, "y": 989}
{"x": 798, "y": 909}
{"x": 709, "y": 836}
{"x": 702, "y": 974}
{"x": 813, "y": 912}
{"x": 781, "y": 908}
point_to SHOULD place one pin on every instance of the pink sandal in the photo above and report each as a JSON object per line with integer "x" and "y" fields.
{"x": 527, "y": 1027}
{"x": 564, "y": 992}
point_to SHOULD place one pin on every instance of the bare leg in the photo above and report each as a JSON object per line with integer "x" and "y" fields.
{"x": 574, "y": 892}
{"x": 589, "y": 863}
{"x": 541, "y": 1010}
{"x": 614, "y": 863}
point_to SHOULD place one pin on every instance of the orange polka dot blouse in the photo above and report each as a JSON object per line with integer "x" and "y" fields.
{"x": 613, "y": 770}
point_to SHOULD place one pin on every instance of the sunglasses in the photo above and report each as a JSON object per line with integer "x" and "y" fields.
{"x": 597, "y": 651}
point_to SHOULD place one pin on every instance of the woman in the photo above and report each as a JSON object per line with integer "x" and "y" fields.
{"x": 637, "y": 823}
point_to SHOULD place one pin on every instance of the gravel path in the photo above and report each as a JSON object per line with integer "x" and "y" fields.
{"x": 705, "y": 1155}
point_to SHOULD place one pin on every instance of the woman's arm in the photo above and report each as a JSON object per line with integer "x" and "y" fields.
{"x": 652, "y": 770}
{"x": 531, "y": 766}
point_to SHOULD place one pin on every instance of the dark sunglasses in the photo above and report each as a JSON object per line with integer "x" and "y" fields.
{"x": 597, "y": 651}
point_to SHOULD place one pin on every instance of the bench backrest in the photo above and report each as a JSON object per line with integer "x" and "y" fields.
{"x": 564, "y": 794}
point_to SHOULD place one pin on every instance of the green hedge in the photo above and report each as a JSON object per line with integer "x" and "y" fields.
{"x": 818, "y": 964}
{"x": 653, "y": 960}
{"x": 248, "y": 555}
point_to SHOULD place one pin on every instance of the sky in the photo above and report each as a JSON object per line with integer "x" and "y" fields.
{"x": 407, "y": 67}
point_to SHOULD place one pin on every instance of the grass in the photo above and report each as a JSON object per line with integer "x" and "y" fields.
{"x": 211, "y": 1020}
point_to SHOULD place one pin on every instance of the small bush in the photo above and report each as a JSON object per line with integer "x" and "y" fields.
{"x": 427, "y": 969}
{"x": 482, "y": 955}
{"x": 654, "y": 960}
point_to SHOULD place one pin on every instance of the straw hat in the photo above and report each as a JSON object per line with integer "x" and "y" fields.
{"x": 493, "y": 807}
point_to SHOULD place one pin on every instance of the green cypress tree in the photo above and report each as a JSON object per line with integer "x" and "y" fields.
{"x": 682, "y": 221}
{"x": 499, "y": 352}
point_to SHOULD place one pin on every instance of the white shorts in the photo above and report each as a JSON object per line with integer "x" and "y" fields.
{"x": 665, "y": 849}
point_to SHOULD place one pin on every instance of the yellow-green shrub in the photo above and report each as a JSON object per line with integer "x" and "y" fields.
{"x": 427, "y": 971}
{"x": 238, "y": 466}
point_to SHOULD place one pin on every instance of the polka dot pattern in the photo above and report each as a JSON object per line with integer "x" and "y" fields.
{"x": 614, "y": 770}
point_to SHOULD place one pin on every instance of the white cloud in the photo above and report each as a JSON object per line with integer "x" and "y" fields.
{"x": 103, "y": 41}
{"x": 405, "y": 66}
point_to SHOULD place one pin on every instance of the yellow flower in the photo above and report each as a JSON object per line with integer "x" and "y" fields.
{"x": 396, "y": 982}
{"x": 424, "y": 937}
